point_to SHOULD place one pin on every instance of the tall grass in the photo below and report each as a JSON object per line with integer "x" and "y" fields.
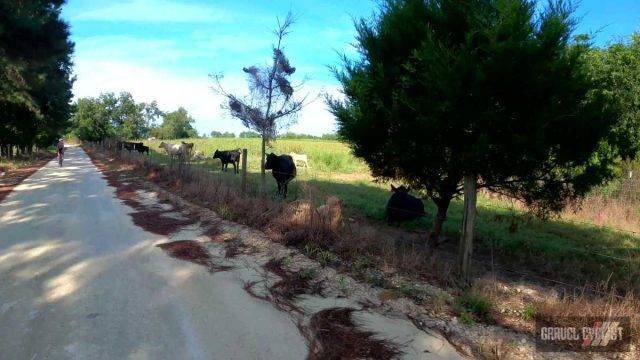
{"x": 324, "y": 155}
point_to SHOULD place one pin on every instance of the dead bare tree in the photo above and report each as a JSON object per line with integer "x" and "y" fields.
{"x": 271, "y": 101}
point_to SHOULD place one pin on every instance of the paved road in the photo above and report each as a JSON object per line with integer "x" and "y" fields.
{"x": 78, "y": 280}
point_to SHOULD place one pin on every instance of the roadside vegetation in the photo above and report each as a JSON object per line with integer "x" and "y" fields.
{"x": 15, "y": 169}
{"x": 575, "y": 246}
{"x": 19, "y": 161}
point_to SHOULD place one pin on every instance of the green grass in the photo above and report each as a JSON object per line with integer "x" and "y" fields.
{"x": 471, "y": 307}
{"x": 556, "y": 249}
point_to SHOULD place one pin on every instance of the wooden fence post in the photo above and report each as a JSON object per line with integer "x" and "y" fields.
{"x": 244, "y": 170}
{"x": 468, "y": 223}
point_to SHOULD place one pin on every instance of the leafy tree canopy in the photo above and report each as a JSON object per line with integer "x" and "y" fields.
{"x": 218, "y": 134}
{"x": 495, "y": 89}
{"x": 249, "y": 134}
{"x": 35, "y": 72}
{"x": 176, "y": 125}
{"x": 617, "y": 69}
{"x": 112, "y": 115}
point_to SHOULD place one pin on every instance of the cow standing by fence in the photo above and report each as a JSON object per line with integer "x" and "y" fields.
{"x": 177, "y": 151}
{"x": 228, "y": 157}
{"x": 283, "y": 170}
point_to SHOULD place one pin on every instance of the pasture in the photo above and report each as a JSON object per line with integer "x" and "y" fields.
{"x": 559, "y": 248}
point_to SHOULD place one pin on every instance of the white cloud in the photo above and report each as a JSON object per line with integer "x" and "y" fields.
{"x": 155, "y": 11}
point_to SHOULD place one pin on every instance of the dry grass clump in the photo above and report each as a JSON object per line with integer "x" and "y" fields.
{"x": 616, "y": 213}
{"x": 188, "y": 250}
{"x": 157, "y": 222}
{"x": 556, "y": 311}
{"x": 330, "y": 213}
{"x": 193, "y": 251}
{"x": 336, "y": 336}
{"x": 289, "y": 287}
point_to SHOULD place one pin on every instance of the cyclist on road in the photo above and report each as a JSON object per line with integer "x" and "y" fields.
{"x": 60, "y": 147}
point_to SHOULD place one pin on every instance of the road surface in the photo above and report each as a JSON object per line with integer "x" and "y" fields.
{"x": 78, "y": 280}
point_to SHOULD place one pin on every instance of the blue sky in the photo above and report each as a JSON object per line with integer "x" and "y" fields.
{"x": 164, "y": 49}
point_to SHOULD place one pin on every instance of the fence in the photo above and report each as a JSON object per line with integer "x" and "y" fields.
{"x": 321, "y": 179}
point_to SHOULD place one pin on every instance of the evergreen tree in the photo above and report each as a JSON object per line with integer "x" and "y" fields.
{"x": 35, "y": 73}
{"x": 490, "y": 91}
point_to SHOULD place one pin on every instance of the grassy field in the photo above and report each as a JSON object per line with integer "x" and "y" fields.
{"x": 558, "y": 248}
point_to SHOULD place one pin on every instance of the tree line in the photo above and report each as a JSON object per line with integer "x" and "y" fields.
{"x": 35, "y": 75}
{"x": 287, "y": 135}
{"x": 120, "y": 116}
{"x": 113, "y": 115}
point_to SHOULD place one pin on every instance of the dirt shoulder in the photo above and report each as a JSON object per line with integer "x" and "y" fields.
{"x": 10, "y": 178}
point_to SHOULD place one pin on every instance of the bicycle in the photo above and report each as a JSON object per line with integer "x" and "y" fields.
{"x": 60, "y": 157}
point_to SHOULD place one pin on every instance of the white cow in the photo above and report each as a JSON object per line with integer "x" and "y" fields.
{"x": 175, "y": 150}
{"x": 300, "y": 158}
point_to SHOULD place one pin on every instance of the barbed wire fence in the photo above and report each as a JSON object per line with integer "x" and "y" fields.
{"x": 631, "y": 261}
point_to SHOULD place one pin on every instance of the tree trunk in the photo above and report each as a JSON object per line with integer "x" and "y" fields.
{"x": 468, "y": 223}
{"x": 262, "y": 170}
{"x": 438, "y": 221}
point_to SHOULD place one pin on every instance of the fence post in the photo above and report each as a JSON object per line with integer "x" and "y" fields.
{"x": 244, "y": 170}
{"x": 468, "y": 222}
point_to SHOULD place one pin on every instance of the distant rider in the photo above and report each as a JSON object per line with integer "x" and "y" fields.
{"x": 60, "y": 147}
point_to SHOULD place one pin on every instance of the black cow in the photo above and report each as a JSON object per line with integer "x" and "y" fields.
{"x": 402, "y": 206}
{"x": 142, "y": 149}
{"x": 283, "y": 170}
{"x": 131, "y": 145}
{"x": 228, "y": 157}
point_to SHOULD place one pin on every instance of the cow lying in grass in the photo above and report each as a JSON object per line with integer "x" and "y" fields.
{"x": 402, "y": 206}
{"x": 198, "y": 155}
{"x": 283, "y": 170}
{"x": 228, "y": 157}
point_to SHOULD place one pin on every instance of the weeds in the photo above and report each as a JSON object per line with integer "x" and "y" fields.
{"x": 473, "y": 307}
{"x": 336, "y": 336}
{"x": 529, "y": 312}
{"x": 13, "y": 172}
{"x": 577, "y": 309}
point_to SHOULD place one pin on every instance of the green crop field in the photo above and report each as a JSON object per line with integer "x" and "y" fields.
{"x": 513, "y": 234}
